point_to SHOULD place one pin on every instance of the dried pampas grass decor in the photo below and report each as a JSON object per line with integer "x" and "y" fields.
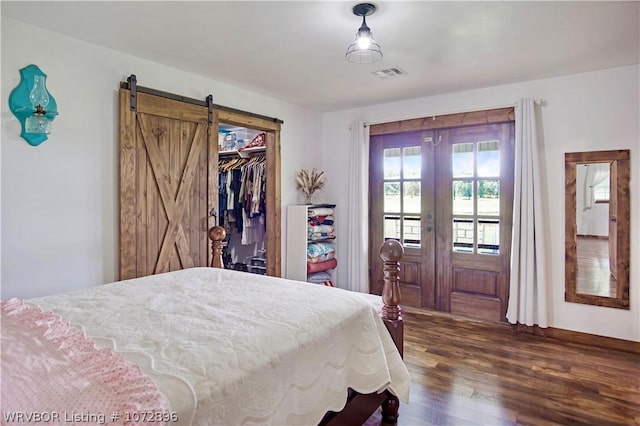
{"x": 309, "y": 182}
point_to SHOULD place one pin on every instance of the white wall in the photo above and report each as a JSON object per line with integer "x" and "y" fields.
{"x": 584, "y": 112}
{"x": 60, "y": 200}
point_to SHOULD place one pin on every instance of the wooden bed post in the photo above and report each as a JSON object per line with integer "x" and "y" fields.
{"x": 391, "y": 252}
{"x": 217, "y": 234}
{"x": 360, "y": 407}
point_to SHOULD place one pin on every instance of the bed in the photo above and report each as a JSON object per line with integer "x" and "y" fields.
{"x": 206, "y": 346}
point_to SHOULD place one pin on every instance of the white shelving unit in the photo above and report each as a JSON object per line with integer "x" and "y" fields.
{"x": 297, "y": 240}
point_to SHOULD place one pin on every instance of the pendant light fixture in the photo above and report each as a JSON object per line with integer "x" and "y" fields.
{"x": 364, "y": 49}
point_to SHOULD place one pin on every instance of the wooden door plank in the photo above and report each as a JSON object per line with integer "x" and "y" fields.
{"x": 172, "y": 141}
{"x": 172, "y": 109}
{"x": 160, "y": 129}
{"x": 153, "y": 207}
{"x": 174, "y": 209}
{"x": 244, "y": 120}
{"x": 142, "y": 211}
{"x": 186, "y": 142}
{"x": 190, "y": 207}
{"x": 199, "y": 221}
{"x": 128, "y": 167}
{"x": 273, "y": 202}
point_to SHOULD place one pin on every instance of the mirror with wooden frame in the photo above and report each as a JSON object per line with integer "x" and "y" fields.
{"x": 597, "y": 216}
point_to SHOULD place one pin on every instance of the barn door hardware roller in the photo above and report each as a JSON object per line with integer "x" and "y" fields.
{"x": 133, "y": 84}
{"x": 210, "y": 108}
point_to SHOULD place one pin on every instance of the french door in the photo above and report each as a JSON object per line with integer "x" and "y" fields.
{"x": 447, "y": 196}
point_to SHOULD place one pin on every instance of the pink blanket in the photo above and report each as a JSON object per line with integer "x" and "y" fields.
{"x": 51, "y": 369}
{"x": 321, "y": 266}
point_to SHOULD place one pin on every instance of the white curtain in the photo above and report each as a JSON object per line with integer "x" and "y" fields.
{"x": 596, "y": 174}
{"x": 527, "y": 291}
{"x": 357, "y": 207}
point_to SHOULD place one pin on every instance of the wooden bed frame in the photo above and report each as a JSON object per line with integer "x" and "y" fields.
{"x": 359, "y": 407}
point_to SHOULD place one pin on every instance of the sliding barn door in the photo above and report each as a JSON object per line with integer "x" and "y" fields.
{"x": 168, "y": 172}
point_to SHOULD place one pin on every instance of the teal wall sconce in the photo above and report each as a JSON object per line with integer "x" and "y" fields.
{"x": 33, "y": 105}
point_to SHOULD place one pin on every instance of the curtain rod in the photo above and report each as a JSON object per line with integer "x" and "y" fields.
{"x": 131, "y": 84}
{"x": 538, "y": 102}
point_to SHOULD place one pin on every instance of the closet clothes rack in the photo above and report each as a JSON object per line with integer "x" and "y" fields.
{"x": 242, "y": 204}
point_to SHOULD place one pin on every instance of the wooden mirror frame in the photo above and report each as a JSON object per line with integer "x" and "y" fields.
{"x": 620, "y": 190}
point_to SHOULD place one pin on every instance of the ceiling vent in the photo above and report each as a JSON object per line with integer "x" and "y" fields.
{"x": 390, "y": 72}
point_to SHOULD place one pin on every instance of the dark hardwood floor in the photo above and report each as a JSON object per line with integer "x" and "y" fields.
{"x": 467, "y": 372}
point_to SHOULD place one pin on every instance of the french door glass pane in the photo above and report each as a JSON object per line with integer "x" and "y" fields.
{"x": 392, "y": 163}
{"x": 488, "y": 236}
{"x": 391, "y": 227}
{"x": 411, "y": 230}
{"x": 489, "y": 159}
{"x": 462, "y": 160}
{"x": 462, "y": 197}
{"x": 463, "y": 235}
{"x": 489, "y": 197}
{"x": 411, "y": 197}
{"x": 412, "y": 163}
{"x": 392, "y": 197}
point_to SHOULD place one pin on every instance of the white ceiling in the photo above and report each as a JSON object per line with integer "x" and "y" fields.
{"x": 294, "y": 50}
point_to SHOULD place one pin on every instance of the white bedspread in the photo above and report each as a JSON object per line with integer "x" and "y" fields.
{"x": 228, "y": 347}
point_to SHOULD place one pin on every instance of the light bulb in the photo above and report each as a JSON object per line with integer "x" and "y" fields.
{"x": 364, "y": 41}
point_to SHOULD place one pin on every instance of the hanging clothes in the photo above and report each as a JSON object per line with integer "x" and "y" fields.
{"x": 242, "y": 196}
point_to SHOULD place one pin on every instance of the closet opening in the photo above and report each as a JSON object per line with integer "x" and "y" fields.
{"x": 248, "y": 191}
{"x": 242, "y": 184}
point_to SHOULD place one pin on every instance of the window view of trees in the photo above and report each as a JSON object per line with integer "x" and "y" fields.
{"x": 486, "y": 189}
